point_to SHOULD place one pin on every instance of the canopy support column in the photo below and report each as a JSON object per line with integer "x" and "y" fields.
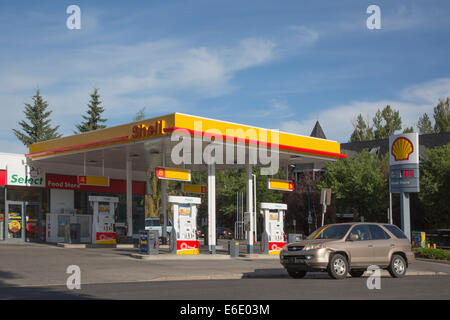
{"x": 129, "y": 196}
{"x": 250, "y": 210}
{"x": 212, "y": 208}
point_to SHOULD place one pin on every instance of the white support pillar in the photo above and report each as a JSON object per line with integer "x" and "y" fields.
{"x": 129, "y": 196}
{"x": 212, "y": 208}
{"x": 164, "y": 200}
{"x": 250, "y": 207}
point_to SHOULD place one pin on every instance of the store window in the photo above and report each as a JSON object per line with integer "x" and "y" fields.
{"x": 25, "y": 194}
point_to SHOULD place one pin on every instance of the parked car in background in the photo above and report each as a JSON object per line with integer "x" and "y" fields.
{"x": 153, "y": 224}
{"x": 224, "y": 233}
{"x": 221, "y": 232}
{"x": 351, "y": 248}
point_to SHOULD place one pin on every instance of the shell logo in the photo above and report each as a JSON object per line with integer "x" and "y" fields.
{"x": 402, "y": 148}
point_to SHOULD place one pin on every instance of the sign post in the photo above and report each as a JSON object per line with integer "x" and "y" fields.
{"x": 325, "y": 200}
{"x": 404, "y": 173}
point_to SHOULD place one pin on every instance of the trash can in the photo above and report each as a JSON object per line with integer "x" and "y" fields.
{"x": 233, "y": 248}
{"x": 294, "y": 237}
{"x": 153, "y": 242}
{"x": 143, "y": 242}
{"x": 148, "y": 242}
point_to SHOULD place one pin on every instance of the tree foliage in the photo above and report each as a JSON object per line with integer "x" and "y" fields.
{"x": 360, "y": 183}
{"x": 140, "y": 115}
{"x": 37, "y": 128}
{"x": 362, "y": 131}
{"x": 93, "y": 120}
{"x": 424, "y": 124}
{"x": 442, "y": 116}
{"x": 435, "y": 187}
{"x": 386, "y": 122}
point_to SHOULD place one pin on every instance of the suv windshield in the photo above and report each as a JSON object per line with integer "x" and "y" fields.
{"x": 330, "y": 232}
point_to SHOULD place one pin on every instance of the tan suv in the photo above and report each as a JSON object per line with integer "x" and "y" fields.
{"x": 349, "y": 248}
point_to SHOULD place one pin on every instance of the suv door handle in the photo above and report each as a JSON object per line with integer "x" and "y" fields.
{"x": 392, "y": 245}
{"x": 370, "y": 245}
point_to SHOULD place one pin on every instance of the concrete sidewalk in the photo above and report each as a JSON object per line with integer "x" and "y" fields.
{"x": 46, "y": 265}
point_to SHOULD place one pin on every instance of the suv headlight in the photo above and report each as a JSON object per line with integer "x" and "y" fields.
{"x": 314, "y": 246}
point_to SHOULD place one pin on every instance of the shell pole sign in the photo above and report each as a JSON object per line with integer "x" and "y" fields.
{"x": 404, "y": 163}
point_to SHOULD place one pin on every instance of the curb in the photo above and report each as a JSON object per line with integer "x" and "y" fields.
{"x": 434, "y": 260}
{"x": 272, "y": 275}
{"x": 164, "y": 257}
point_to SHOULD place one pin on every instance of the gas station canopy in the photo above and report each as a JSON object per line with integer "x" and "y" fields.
{"x": 148, "y": 141}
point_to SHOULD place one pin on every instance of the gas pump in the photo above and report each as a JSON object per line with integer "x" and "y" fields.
{"x": 184, "y": 232}
{"x": 103, "y": 219}
{"x": 273, "y": 236}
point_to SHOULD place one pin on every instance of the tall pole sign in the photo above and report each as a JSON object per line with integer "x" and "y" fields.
{"x": 404, "y": 172}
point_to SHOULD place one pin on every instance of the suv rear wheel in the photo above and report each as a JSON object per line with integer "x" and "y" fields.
{"x": 397, "y": 267}
{"x": 338, "y": 267}
{"x": 296, "y": 274}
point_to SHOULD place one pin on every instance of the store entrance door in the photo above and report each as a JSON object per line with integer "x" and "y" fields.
{"x": 15, "y": 221}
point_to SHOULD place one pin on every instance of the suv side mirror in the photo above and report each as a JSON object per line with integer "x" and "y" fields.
{"x": 354, "y": 237}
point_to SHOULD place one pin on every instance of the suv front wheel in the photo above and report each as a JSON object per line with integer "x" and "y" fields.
{"x": 338, "y": 267}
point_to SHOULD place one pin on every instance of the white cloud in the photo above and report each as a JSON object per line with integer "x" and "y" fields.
{"x": 336, "y": 122}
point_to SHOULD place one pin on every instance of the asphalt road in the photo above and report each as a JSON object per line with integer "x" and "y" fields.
{"x": 32, "y": 271}
{"x": 413, "y": 287}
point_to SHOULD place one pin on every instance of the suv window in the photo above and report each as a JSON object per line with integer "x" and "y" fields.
{"x": 395, "y": 231}
{"x": 377, "y": 233}
{"x": 362, "y": 231}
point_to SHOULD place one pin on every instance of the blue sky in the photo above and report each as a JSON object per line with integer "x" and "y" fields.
{"x": 274, "y": 64}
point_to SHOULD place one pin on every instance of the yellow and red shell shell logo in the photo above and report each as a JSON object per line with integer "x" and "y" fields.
{"x": 14, "y": 226}
{"x": 402, "y": 148}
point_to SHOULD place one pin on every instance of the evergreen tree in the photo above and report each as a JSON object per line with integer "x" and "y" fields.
{"x": 92, "y": 122}
{"x": 424, "y": 124}
{"x": 37, "y": 127}
{"x": 362, "y": 130}
{"x": 408, "y": 130}
{"x": 140, "y": 115}
{"x": 386, "y": 122}
{"x": 442, "y": 116}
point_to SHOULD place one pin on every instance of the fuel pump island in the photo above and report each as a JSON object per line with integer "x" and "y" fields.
{"x": 172, "y": 147}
